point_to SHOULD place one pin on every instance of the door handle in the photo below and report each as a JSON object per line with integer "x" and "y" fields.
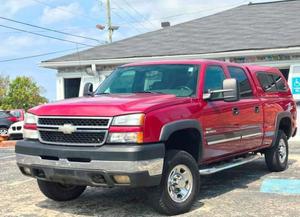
{"x": 256, "y": 109}
{"x": 235, "y": 111}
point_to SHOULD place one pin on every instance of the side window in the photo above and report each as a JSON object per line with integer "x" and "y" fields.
{"x": 280, "y": 84}
{"x": 266, "y": 81}
{"x": 240, "y": 75}
{"x": 214, "y": 77}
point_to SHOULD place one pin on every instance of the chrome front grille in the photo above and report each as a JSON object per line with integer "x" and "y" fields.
{"x": 81, "y": 122}
{"x": 76, "y": 131}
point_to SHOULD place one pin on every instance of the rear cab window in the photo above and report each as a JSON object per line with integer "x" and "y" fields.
{"x": 271, "y": 82}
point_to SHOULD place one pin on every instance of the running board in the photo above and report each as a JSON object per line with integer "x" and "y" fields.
{"x": 225, "y": 166}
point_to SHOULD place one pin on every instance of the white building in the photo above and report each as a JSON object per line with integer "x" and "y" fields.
{"x": 263, "y": 34}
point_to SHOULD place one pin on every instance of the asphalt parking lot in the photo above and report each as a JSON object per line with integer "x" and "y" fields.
{"x": 249, "y": 190}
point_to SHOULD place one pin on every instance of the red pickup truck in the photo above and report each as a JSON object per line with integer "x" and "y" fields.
{"x": 160, "y": 125}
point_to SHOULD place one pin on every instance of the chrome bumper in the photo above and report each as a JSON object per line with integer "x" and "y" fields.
{"x": 153, "y": 167}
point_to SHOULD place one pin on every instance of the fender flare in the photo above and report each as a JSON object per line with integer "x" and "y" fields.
{"x": 279, "y": 117}
{"x": 174, "y": 126}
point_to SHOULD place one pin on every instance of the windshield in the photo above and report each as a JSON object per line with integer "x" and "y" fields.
{"x": 179, "y": 80}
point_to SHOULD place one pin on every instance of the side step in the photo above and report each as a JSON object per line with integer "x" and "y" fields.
{"x": 225, "y": 166}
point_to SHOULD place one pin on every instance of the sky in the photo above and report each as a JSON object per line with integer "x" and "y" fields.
{"x": 80, "y": 17}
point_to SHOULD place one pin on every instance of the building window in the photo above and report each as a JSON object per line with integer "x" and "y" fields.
{"x": 71, "y": 87}
{"x": 240, "y": 75}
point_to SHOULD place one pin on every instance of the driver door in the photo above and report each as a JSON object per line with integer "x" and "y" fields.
{"x": 218, "y": 118}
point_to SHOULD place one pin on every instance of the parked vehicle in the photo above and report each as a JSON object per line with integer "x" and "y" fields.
{"x": 18, "y": 113}
{"x": 16, "y": 130}
{"x": 6, "y": 119}
{"x": 161, "y": 125}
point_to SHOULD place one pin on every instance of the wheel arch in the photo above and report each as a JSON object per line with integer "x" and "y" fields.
{"x": 283, "y": 122}
{"x": 182, "y": 127}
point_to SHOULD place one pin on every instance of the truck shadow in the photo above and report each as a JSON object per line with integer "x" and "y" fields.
{"x": 134, "y": 202}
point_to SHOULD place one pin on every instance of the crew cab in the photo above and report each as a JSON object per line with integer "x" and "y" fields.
{"x": 162, "y": 125}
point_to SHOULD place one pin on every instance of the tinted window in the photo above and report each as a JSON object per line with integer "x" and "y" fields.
{"x": 280, "y": 83}
{"x": 3, "y": 114}
{"x": 214, "y": 77}
{"x": 180, "y": 80}
{"x": 271, "y": 82}
{"x": 16, "y": 113}
{"x": 240, "y": 75}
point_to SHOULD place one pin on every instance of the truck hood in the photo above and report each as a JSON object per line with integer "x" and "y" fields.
{"x": 108, "y": 105}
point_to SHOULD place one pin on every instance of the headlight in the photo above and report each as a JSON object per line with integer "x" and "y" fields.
{"x": 129, "y": 120}
{"x": 30, "y": 119}
{"x": 132, "y": 137}
{"x": 30, "y": 131}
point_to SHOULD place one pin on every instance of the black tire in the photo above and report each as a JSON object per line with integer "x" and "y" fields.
{"x": 3, "y": 131}
{"x": 59, "y": 192}
{"x": 274, "y": 156}
{"x": 160, "y": 196}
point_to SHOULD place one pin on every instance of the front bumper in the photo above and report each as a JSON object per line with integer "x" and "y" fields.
{"x": 93, "y": 166}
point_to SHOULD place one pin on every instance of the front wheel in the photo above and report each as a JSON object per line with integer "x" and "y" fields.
{"x": 180, "y": 184}
{"x": 60, "y": 192}
{"x": 277, "y": 156}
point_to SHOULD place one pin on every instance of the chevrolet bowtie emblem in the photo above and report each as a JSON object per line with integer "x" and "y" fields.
{"x": 67, "y": 129}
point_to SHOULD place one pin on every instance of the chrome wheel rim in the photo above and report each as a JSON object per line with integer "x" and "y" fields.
{"x": 3, "y": 132}
{"x": 282, "y": 151}
{"x": 180, "y": 183}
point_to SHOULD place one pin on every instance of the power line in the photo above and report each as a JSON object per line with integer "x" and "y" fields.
{"x": 133, "y": 18}
{"x": 193, "y": 12}
{"x": 39, "y": 31}
{"x": 37, "y": 55}
{"x": 137, "y": 12}
{"x": 121, "y": 17}
{"x": 46, "y": 36}
{"x": 48, "y": 29}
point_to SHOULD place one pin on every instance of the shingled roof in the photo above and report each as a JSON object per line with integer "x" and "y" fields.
{"x": 247, "y": 27}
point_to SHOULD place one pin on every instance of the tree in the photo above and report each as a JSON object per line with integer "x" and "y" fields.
{"x": 4, "y": 83}
{"x": 23, "y": 93}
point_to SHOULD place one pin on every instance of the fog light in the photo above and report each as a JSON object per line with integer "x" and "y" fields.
{"x": 121, "y": 179}
{"x": 98, "y": 178}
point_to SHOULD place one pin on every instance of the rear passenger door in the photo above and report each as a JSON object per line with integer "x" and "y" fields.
{"x": 249, "y": 110}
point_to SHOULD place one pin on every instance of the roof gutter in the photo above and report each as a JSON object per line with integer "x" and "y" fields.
{"x": 120, "y": 61}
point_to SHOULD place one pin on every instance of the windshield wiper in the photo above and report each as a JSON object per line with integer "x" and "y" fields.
{"x": 148, "y": 91}
{"x": 102, "y": 93}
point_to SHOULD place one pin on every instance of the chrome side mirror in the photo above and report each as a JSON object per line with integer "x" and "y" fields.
{"x": 234, "y": 94}
{"x": 229, "y": 93}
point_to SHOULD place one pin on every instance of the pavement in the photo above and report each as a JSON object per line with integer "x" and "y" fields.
{"x": 248, "y": 190}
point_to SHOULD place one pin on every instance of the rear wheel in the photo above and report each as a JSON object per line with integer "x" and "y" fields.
{"x": 277, "y": 156}
{"x": 60, "y": 192}
{"x": 180, "y": 183}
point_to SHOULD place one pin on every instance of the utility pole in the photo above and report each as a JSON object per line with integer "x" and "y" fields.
{"x": 109, "y": 26}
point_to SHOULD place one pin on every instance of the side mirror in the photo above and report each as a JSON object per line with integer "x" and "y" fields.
{"x": 229, "y": 93}
{"x": 233, "y": 93}
{"x": 88, "y": 90}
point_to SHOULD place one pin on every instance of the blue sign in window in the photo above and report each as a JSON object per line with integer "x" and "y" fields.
{"x": 296, "y": 85}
